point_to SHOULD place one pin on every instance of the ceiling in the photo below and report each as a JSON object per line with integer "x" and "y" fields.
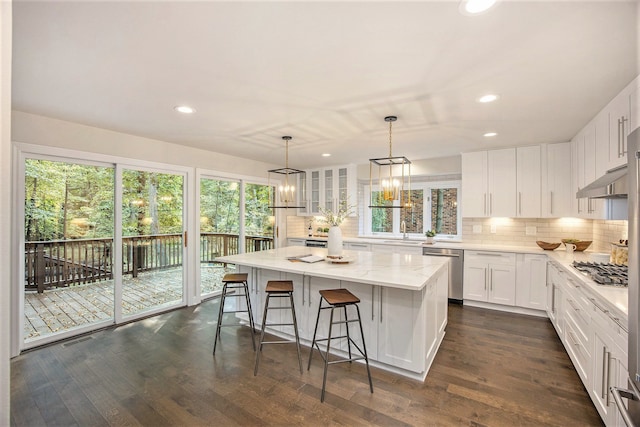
{"x": 326, "y": 73}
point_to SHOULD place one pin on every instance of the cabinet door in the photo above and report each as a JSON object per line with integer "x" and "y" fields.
{"x": 475, "y": 282}
{"x": 311, "y": 302}
{"x": 314, "y": 191}
{"x": 502, "y": 284}
{"x": 401, "y": 334}
{"x": 531, "y": 281}
{"x": 442, "y": 308}
{"x": 474, "y": 185}
{"x": 501, "y": 182}
{"x": 528, "y": 181}
{"x": 618, "y": 129}
{"x": 329, "y": 195}
{"x": 303, "y": 191}
{"x": 557, "y": 191}
{"x": 369, "y": 312}
{"x": 273, "y": 316}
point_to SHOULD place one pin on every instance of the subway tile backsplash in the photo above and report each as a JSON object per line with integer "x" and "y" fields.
{"x": 508, "y": 231}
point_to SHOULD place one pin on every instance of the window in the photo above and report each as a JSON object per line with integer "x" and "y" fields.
{"x": 435, "y": 207}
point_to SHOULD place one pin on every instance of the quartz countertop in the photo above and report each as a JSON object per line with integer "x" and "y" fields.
{"x": 403, "y": 271}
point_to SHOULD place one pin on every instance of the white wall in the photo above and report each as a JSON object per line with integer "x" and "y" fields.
{"x": 40, "y": 130}
{"x": 5, "y": 205}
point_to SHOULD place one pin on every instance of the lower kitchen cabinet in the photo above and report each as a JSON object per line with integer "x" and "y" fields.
{"x": 531, "y": 281}
{"x": 490, "y": 277}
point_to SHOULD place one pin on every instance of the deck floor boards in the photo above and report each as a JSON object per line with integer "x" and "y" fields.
{"x": 493, "y": 369}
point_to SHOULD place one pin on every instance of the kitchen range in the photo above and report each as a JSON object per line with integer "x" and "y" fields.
{"x": 604, "y": 273}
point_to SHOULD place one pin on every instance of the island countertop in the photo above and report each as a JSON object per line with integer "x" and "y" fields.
{"x": 402, "y": 271}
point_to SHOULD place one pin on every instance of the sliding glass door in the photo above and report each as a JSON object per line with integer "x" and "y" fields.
{"x": 68, "y": 249}
{"x": 152, "y": 241}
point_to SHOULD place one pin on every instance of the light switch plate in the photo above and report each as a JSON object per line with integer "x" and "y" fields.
{"x": 493, "y": 228}
{"x": 530, "y": 231}
{"x": 477, "y": 229}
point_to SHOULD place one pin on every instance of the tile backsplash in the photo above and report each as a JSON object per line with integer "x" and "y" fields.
{"x": 505, "y": 231}
{"x": 525, "y": 232}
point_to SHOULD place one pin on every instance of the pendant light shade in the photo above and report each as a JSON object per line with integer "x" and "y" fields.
{"x": 393, "y": 175}
{"x": 286, "y": 197}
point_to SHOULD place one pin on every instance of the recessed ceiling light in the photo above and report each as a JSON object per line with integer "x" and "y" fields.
{"x": 490, "y": 97}
{"x": 326, "y": 155}
{"x": 473, "y": 7}
{"x": 184, "y": 109}
{"x": 490, "y": 134}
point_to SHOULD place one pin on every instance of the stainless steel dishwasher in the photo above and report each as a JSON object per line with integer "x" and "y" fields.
{"x": 456, "y": 267}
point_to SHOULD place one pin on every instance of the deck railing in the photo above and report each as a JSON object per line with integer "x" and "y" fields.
{"x": 60, "y": 263}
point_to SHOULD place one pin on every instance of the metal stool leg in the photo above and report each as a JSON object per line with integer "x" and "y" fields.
{"x": 251, "y": 323}
{"x": 295, "y": 329}
{"x": 326, "y": 359}
{"x": 220, "y": 312}
{"x": 264, "y": 322}
{"x": 346, "y": 324}
{"x": 364, "y": 349}
{"x": 315, "y": 331}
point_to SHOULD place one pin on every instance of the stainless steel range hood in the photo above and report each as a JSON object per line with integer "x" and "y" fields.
{"x": 613, "y": 185}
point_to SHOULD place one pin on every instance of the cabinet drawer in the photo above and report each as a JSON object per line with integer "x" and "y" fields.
{"x": 490, "y": 257}
{"x": 577, "y": 350}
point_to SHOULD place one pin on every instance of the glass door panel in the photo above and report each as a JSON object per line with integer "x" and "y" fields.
{"x": 219, "y": 230}
{"x": 68, "y": 223}
{"x": 259, "y": 219}
{"x": 152, "y": 241}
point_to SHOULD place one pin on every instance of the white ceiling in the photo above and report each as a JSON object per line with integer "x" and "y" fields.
{"x": 324, "y": 72}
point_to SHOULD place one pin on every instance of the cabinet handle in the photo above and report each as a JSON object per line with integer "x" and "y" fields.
{"x": 579, "y": 202}
{"x": 380, "y": 305}
{"x": 574, "y": 341}
{"x": 491, "y": 280}
{"x": 484, "y": 209}
{"x": 593, "y": 301}
{"x": 372, "y": 308}
{"x": 570, "y": 301}
{"x": 486, "y": 278}
{"x": 619, "y": 138}
{"x": 605, "y": 367}
{"x": 616, "y": 320}
{"x": 490, "y": 203}
{"x": 607, "y": 363}
{"x": 303, "y": 301}
{"x": 519, "y": 202}
{"x": 551, "y": 202}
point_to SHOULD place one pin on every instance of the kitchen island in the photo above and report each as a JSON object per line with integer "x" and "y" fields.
{"x": 403, "y": 300}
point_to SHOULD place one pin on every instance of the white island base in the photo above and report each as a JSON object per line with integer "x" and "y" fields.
{"x": 403, "y": 306}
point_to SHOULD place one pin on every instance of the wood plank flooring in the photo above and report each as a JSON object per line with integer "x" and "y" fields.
{"x": 493, "y": 369}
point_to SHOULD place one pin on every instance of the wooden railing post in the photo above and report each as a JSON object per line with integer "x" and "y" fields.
{"x": 40, "y": 269}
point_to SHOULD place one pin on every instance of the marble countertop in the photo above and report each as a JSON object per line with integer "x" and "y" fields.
{"x": 403, "y": 271}
{"x": 614, "y": 298}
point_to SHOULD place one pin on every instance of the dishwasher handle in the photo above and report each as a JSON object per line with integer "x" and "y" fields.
{"x": 439, "y": 254}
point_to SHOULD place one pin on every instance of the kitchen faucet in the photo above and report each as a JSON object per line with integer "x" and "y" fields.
{"x": 403, "y": 228}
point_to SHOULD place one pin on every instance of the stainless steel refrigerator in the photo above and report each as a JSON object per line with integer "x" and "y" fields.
{"x": 631, "y": 397}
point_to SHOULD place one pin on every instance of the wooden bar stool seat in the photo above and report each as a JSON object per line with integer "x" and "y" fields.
{"x": 339, "y": 298}
{"x": 278, "y": 289}
{"x": 232, "y": 282}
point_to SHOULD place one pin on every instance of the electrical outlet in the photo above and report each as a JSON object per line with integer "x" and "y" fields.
{"x": 477, "y": 229}
{"x": 493, "y": 228}
{"x": 530, "y": 231}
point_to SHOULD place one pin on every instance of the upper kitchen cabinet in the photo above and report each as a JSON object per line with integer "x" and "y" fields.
{"x": 489, "y": 183}
{"x": 528, "y": 178}
{"x": 327, "y": 188}
{"x": 618, "y": 112}
{"x": 557, "y": 191}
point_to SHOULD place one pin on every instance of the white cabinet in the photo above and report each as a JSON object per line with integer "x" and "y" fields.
{"x": 490, "y": 277}
{"x": 327, "y": 188}
{"x": 557, "y": 192}
{"x": 489, "y": 183}
{"x": 531, "y": 281}
{"x": 528, "y": 181}
{"x": 353, "y": 246}
{"x": 583, "y": 159}
{"x": 296, "y": 242}
{"x": 397, "y": 249}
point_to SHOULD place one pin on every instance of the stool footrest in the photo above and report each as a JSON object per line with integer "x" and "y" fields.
{"x": 278, "y": 324}
{"x": 278, "y": 342}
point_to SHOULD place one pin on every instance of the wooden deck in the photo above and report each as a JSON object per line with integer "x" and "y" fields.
{"x": 67, "y": 308}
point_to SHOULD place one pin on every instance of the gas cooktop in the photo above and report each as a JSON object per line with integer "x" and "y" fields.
{"x": 604, "y": 273}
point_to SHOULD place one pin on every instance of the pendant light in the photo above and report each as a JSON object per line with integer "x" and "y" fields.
{"x": 393, "y": 175}
{"x": 286, "y": 197}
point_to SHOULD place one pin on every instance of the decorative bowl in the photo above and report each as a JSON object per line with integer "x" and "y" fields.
{"x": 547, "y": 246}
{"x": 581, "y": 245}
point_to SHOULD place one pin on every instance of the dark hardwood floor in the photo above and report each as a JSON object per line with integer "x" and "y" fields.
{"x": 493, "y": 369}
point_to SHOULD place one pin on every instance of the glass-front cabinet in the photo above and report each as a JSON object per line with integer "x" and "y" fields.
{"x": 326, "y": 188}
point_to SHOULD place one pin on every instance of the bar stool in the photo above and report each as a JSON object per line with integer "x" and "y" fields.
{"x": 339, "y": 298}
{"x": 230, "y": 284}
{"x": 278, "y": 289}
